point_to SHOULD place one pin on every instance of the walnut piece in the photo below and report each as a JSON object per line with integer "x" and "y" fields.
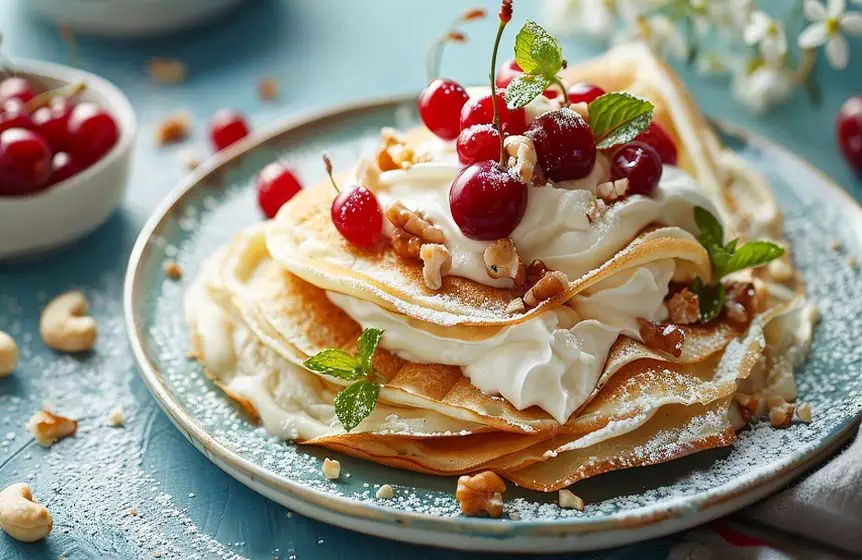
{"x": 739, "y": 302}
{"x": 394, "y": 153}
{"x": 174, "y": 128}
{"x": 436, "y": 262}
{"x": 406, "y": 245}
{"x": 385, "y": 492}
{"x": 413, "y": 223}
{"x": 117, "y": 418}
{"x": 482, "y": 492}
{"x": 48, "y": 427}
{"x": 172, "y": 269}
{"x": 516, "y": 306}
{"x": 751, "y": 403}
{"x": 267, "y": 89}
{"x": 780, "y": 411}
{"x": 551, "y": 284}
{"x": 612, "y": 190}
{"x": 331, "y": 469}
{"x": 684, "y": 307}
{"x": 167, "y": 70}
{"x": 503, "y": 261}
{"x": 803, "y": 412}
{"x": 568, "y": 500}
{"x": 664, "y": 338}
{"x": 522, "y": 156}
{"x": 535, "y": 272}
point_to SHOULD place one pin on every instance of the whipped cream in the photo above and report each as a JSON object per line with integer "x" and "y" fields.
{"x": 552, "y": 361}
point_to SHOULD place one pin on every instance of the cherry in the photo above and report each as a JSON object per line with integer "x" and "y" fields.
{"x": 487, "y": 202}
{"x": 511, "y": 70}
{"x": 661, "y": 141}
{"x": 564, "y": 144}
{"x": 92, "y": 133}
{"x": 52, "y": 122}
{"x": 640, "y": 164}
{"x": 481, "y": 111}
{"x": 440, "y": 106}
{"x": 14, "y": 115}
{"x": 16, "y": 88}
{"x": 584, "y": 92}
{"x": 356, "y": 213}
{"x": 276, "y": 184}
{"x": 25, "y": 162}
{"x": 227, "y": 127}
{"x": 479, "y": 142}
{"x": 62, "y": 167}
{"x": 848, "y": 129}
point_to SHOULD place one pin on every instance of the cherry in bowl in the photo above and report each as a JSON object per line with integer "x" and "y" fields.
{"x": 25, "y": 162}
{"x": 848, "y": 129}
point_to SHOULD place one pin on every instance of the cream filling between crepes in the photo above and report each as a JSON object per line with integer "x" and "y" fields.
{"x": 552, "y": 361}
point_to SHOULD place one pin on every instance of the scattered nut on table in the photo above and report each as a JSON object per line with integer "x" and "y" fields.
{"x": 65, "y": 326}
{"x": 172, "y": 269}
{"x": 48, "y": 427}
{"x": 21, "y": 516}
{"x": 331, "y": 469}
{"x": 8, "y": 354}
{"x": 570, "y": 500}
{"x": 385, "y": 492}
{"x": 117, "y": 418}
{"x": 483, "y": 492}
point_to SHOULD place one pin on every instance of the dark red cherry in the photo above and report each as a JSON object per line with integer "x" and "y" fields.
{"x": 849, "y": 131}
{"x": 510, "y": 70}
{"x": 357, "y": 216}
{"x": 481, "y": 111}
{"x": 13, "y": 114}
{"x": 487, "y": 202}
{"x": 18, "y": 88}
{"x": 564, "y": 143}
{"x": 92, "y": 133}
{"x": 479, "y": 142}
{"x": 276, "y": 184}
{"x": 52, "y": 122}
{"x": 25, "y": 162}
{"x": 584, "y": 92}
{"x": 62, "y": 167}
{"x": 227, "y": 127}
{"x": 638, "y": 163}
{"x": 661, "y": 141}
{"x": 440, "y": 106}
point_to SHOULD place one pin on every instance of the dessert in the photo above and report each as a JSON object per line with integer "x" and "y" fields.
{"x": 528, "y": 286}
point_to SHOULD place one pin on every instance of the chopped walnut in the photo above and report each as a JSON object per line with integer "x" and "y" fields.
{"x": 612, "y": 190}
{"x": 413, "y": 223}
{"x": 535, "y": 272}
{"x": 568, "y": 500}
{"x": 751, "y": 403}
{"x": 172, "y": 269}
{"x": 503, "y": 261}
{"x": 385, "y": 492}
{"x": 551, "y": 284}
{"x": 781, "y": 270}
{"x": 684, "y": 307}
{"x": 803, "y": 411}
{"x": 739, "y": 303}
{"x": 482, "y": 492}
{"x": 781, "y": 416}
{"x": 406, "y": 245}
{"x": 515, "y": 306}
{"x": 664, "y": 338}
{"x": 597, "y": 210}
{"x": 117, "y": 418}
{"x": 331, "y": 469}
{"x": 522, "y": 156}
{"x": 48, "y": 427}
{"x": 394, "y": 153}
{"x": 167, "y": 70}
{"x": 267, "y": 89}
{"x": 173, "y": 129}
{"x": 436, "y": 262}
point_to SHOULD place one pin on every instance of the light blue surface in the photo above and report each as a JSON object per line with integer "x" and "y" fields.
{"x": 322, "y": 52}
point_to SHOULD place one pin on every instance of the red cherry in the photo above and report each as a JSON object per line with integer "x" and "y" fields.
{"x": 25, "y": 162}
{"x": 486, "y": 201}
{"x": 584, "y": 92}
{"x": 92, "y": 133}
{"x": 62, "y": 167}
{"x": 16, "y": 88}
{"x": 276, "y": 184}
{"x": 640, "y": 164}
{"x": 13, "y": 114}
{"x": 849, "y": 131}
{"x": 564, "y": 143}
{"x": 226, "y": 128}
{"x": 357, "y": 216}
{"x": 510, "y": 70}
{"x": 661, "y": 141}
{"x": 481, "y": 111}
{"x": 440, "y": 106}
{"x": 479, "y": 142}
{"x": 52, "y": 122}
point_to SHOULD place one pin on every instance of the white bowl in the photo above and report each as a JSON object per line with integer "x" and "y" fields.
{"x": 124, "y": 18}
{"x": 80, "y": 204}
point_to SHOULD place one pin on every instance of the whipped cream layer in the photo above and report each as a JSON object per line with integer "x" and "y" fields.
{"x": 552, "y": 361}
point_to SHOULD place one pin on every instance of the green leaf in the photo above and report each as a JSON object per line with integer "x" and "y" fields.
{"x": 368, "y": 341}
{"x": 354, "y": 404}
{"x": 711, "y": 232}
{"x": 335, "y": 362}
{"x": 537, "y": 52}
{"x": 752, "y": 254}
{"x": 524, "y": 89}
{"x": 710, "y": 298}
{"x": 618, "y": 117}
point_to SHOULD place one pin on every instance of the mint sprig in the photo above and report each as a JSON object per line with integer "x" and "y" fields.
{"x": 618, "y": 117}
{"x": 726, "y": 259}
{"x": 540, "y": 56}
{"x": 357, "y": 401}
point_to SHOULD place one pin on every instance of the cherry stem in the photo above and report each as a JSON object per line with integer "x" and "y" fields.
{"x": 328, "y": 164}
{"x": 67, "y": 91}
{"x": 500, "y": 29}
{"x": 434, "y": 54}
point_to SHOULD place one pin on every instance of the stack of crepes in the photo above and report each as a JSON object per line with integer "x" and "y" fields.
{"x": 544, "y": 396}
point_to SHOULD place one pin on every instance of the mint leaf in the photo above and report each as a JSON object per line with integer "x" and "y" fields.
{"x": 335, "y": 362}
{"x": 537, "y": 51}
{"x": 711, "y": 232}
{"x": 752, "y": 254}
{"x": 368, "y": 341}
{"x": 618, "y": 117}
{"x": 710, "y": 298}
{"x": 524, "y": 89}
{"x": 354, "y": 404}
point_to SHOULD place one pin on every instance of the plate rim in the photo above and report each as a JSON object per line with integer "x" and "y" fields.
{"x": 472, "y": 533}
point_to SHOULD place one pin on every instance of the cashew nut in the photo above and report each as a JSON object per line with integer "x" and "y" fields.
{"x": 65, "y": 326}
{"x": 8, "y": 354}
{"x": 22, "y": 517}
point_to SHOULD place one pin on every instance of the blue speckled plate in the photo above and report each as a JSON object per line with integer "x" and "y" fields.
{"x": 217, "y": 201}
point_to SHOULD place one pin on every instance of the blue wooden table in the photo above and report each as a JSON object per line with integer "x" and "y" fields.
{"x": 142, "y": 491}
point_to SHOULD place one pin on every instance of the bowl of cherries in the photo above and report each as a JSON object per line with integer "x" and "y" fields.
{"x": 65, "y": 151}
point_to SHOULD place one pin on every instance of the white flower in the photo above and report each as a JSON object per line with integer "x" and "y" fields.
{"x": 591, "y": 17}
{"x": 828, "y": 24}
{"x": 763, "y": 87}
{"x": 663, "y": 35}
{"x": 769, "y": 34}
